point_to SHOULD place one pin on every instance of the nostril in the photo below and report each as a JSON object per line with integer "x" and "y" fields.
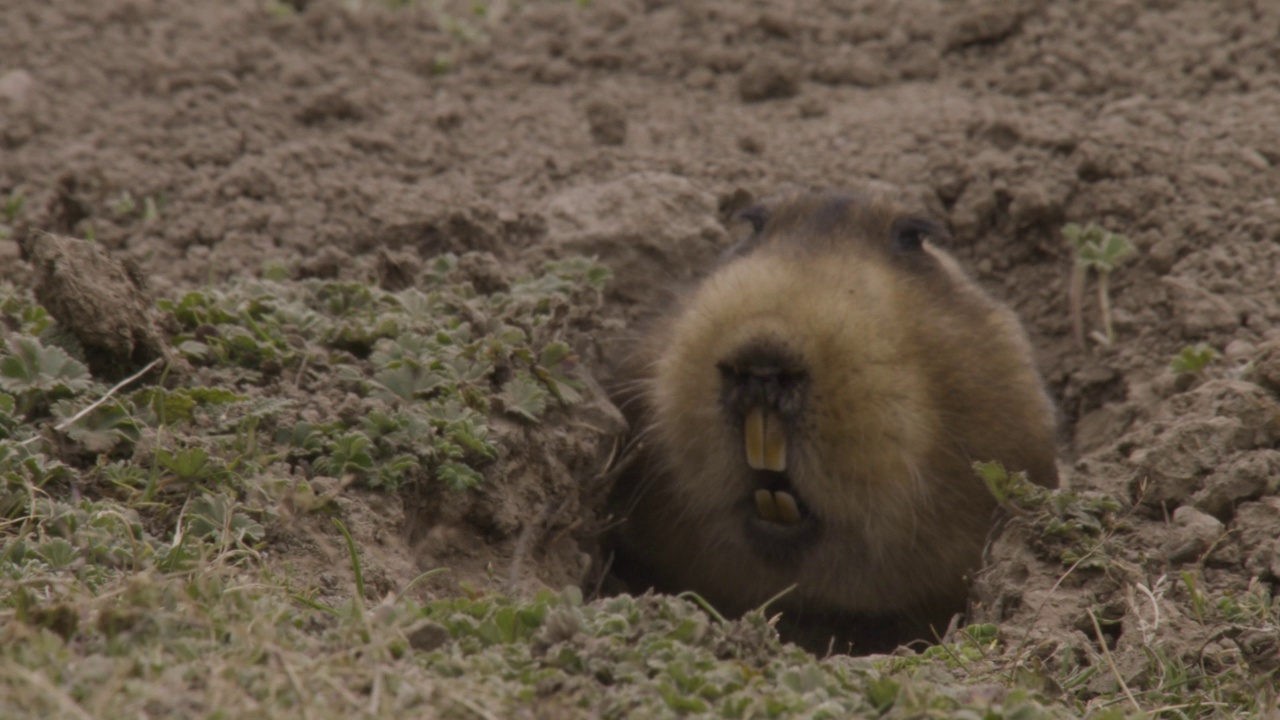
{"x": 763, "y": 357}
{"x": 762, "y": 375}
{"x": 752, "y": 386}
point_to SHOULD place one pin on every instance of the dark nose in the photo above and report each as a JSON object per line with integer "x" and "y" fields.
{"x": 763, "y": 375}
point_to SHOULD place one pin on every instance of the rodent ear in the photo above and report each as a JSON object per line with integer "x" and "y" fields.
{"x": 908, "y": 234}
{"x": 743, "y": 241}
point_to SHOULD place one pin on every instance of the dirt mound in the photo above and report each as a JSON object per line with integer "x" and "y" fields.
{"x": 98, "y": 300}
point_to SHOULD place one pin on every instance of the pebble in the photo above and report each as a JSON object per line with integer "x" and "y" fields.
{"x": 15, "y": 85}
{"x": 1239, "y": 349}
{"x": 1197, "y": 531}
{"x": 1255, "y": 159}
{"x": 1215, "y": 174}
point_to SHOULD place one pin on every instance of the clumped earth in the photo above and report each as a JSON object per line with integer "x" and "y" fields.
{"x": 386, "y": 254}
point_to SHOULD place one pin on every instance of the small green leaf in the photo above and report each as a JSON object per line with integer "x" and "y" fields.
{"x": 1191, "y": 360}
{"x": 151, "y": 207}
{"x": 187, "y": 464}
{"x": 348, "y": 453}
{"x": 525, "y": 396}
{"x": 32, "y": 367}
{"x": 13, "y": 205}
{"x": 458, "y": 477}
{"x": 407, "y": 381}
{"x": 58, "y": 552}
{"x": 1097, "y": 248}
{"x": 883, "y": 693}
{"x": 215, "y": 517}
{"x": 392, "y": 472}
{"x": 275, "y": 271}
{"x": 553, "y": 354}
{"x": 100, "y": 430}
{"x": 982, "y": 634}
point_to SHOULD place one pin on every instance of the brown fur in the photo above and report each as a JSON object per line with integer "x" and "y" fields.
{"x": 911, "y": 372}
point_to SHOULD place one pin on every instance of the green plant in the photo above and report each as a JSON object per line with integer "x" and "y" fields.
{"x": 1101, "y": 251}
{"x": 20, "y": 313}
{"x": 348, "y": 452}
{"x": 526, "y": 396}
{"x": 25, "y": 470}
{"x": 441, "y": 64}
{"x": 37, "y": 375}
{"x": 101, "y": 429}
{"x": 357, "y": 568}
{"x": 13, "y": 206}
{"x": 180, "y": 405}
{"x": 124, "y": 204}
{"x": 152, "y": 206}
{"x": 1192, "y": 360}
{"x": 281, "y": 9}
{"x": 9, "y": 421}
{"x": 1255, "y": 605}
{"x": 218, "y": 518}
{"x": 10, "y": 210}
{"x": 434, "y": 362}
{"x": 1074, "y": 526}
{"x": 1199, "y": 603}
{"x": 189, "y": 464}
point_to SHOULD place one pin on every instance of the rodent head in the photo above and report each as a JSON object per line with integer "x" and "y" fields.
{"x": 819, "y": 399}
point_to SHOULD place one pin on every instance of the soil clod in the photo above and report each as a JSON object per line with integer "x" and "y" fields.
{"x": 100, "y": 299}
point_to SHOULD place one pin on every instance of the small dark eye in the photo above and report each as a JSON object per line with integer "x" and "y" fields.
{"x": 909, "y": 234}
